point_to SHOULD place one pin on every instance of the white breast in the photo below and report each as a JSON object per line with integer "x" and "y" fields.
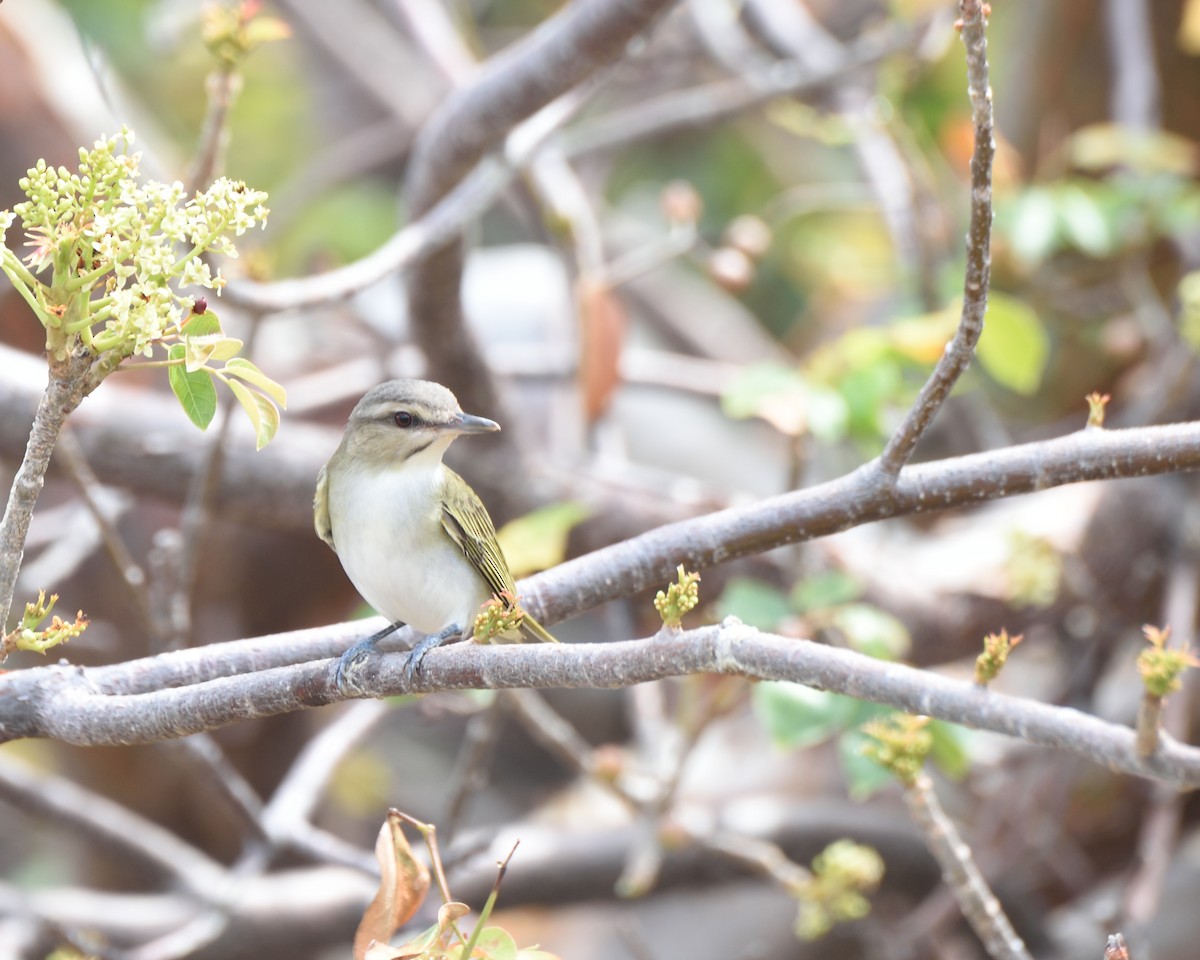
{"x": 400, "y": 560}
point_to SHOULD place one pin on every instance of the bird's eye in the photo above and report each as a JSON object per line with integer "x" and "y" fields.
{"x": 403, "y": 419}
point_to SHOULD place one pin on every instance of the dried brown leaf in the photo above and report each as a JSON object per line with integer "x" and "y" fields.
{"x": 402, "y": 889}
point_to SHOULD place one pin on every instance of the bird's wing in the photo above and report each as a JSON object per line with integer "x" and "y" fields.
{"x": 321, "y": 521}
{"x": 471, "y": 528}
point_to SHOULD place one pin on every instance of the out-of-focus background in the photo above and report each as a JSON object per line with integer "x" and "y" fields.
{"x": 685, "y": 307}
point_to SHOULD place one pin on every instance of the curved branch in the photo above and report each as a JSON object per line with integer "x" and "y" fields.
{"x": 564, "y": 51}
{"x": 959, "y": 351}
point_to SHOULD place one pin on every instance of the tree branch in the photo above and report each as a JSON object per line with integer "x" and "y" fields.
{"x": 562, "y": 52}
{"x": 72, "y": 704}
{"x": 959, "y": 351}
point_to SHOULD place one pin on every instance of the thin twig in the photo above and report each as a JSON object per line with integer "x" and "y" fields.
{"x": 979, "y": 905}
{"x": 470, "y": 772}
{"x": 132, "y": 574}
{"x": 961, "y": 348}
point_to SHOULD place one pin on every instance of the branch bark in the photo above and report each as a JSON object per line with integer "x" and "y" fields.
{"x": 89, "y": 707}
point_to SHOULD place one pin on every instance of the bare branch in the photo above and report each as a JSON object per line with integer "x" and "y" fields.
{"x": 564, "y": 51}
{"x": 979, "y": 905}
{"x": 959, "y": 351}
{"x": 70, "y": 704}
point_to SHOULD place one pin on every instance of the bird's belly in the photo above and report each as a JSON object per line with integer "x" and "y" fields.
{"x": 404, "y": 565}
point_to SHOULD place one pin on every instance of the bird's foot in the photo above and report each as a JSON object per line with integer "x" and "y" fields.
{"x": 424, "y": 645}
{"x": 354, "y": 658}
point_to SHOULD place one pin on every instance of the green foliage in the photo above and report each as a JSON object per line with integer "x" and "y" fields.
{"x": 1014, "y": 346}
{"x": 117, "y": 251}
{"x": 753, "y": 602}
{"x": 1033, "y": 569}
{"x": 787, "y": 400}
{"x": 1098, "y": 218}
{"x": 538, "y": 540}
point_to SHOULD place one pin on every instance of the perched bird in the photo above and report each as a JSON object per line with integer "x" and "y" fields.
{"x": 413, "y": 537}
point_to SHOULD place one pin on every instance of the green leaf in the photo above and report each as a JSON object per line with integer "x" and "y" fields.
{"x": 194, "y": 389}
{"x": 872, "y": 631}
{"x": 753, "y": 602}
{"x": 786, "y": 399}
{"x": 1014, "y": 346}
{"x": 213, "y": 346}
{"x": 829, "y": 589}
{"x": 538, "y": 540}
{"x": 864, "y": 777}
{"x": 1084, "y": 222}
{"x": 950, "y": 749}
{"x": 1033, "y": 226}
{"x": 796, "y": 716}
{"x": 495, "y": 943}
{"x": 202, "y": 325}
{"x": 241, "y": 367}
{"x": 259, "y": 409}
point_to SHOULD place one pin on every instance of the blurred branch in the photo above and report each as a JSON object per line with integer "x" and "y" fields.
{"x": 959, "y": 351}
{"x": 562, "y": 53}
{"x": 1135, "y": 98}
{"x": 1158, "y": 842}
{"x": 441, "y": 223}
{"x": 979, "y": 905}
{"x": 705, "y": 105}
{"x": 72, "y": 704}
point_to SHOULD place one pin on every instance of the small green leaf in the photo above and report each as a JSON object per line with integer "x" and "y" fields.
{"x": 829, "y": 589}
{"x": 200, "y": 350}
{"x": 872, "y": 631}
{"x": 1014, "y": 346}
{"x": 194, "y": 389}
{"x": 202, "y": 325}
{"x": 538, "y": 540}
{"x": 754, "y": 602}
{"x": 864, "y": 777}
{"x": 950, "y": 749}
{"x": 1033, "y": 226}
{"x": 796, "y": 716}
{"x": 241, "y": 367}
{"x": 495, "y": 943}
{"x": 786, "y": 399}
{"x": 259, "y": 409}
{"x": 1083, "y": 221}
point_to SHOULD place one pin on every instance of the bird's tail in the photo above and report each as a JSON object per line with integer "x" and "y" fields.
{"x": 534, "y": 631}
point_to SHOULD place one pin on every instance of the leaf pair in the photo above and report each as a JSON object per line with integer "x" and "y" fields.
{"x": 192, "y": 378}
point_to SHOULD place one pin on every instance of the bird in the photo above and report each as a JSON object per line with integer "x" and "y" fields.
{"x": 411, "y": 534}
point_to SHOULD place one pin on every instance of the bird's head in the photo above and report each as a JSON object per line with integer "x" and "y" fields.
{"x": 402, "y": 419}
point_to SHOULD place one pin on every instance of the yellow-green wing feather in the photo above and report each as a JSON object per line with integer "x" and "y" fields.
{"x": 470, "y": 526}
{"x": 321, "y": 521}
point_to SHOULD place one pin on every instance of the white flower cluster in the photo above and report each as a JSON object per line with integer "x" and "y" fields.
{"x": 128, "y": 245}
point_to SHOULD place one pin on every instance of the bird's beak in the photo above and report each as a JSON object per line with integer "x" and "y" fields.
{"x": 469, "y": 423}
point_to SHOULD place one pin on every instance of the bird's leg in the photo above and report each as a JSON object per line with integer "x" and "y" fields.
{"x": 424, "y": 645}
{"x": 357, "y": 653}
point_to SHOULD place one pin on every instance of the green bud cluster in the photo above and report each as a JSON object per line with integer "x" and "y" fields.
{"x": 842, "y": 874}
{"x": 900, "y": 742}
{"x": 679, "y": 598}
